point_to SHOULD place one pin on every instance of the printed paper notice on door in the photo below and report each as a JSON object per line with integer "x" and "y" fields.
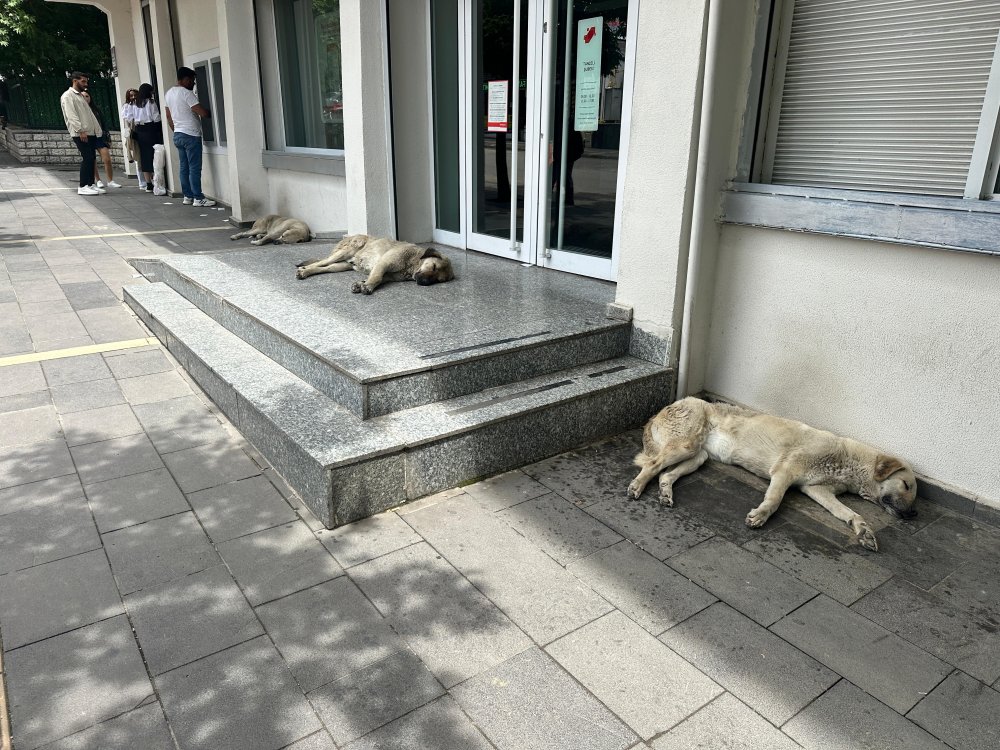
{"x": 587, "y": 102}
{"x": 496, "y": 107}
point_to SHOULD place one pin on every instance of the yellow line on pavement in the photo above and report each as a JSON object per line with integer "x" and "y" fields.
{"x": 115, "y": 234}
{"x": 76, "y": 351}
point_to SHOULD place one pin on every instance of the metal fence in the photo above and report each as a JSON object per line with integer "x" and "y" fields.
{"x": 35, "y": 103}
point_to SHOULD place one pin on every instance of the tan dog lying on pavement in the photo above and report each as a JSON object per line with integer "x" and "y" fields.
{"x": 686, "y": 433}
{"x": 382, "y": 259}
{"x": 278, "y": 229}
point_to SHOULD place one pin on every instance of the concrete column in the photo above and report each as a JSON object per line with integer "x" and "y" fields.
{"x": 367, "y": 158}
{"x": 244, "y": 112}
{"x": 166, "y": 73}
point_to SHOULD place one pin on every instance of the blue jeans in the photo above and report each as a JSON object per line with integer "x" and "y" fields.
{"x": 189, "y": 154}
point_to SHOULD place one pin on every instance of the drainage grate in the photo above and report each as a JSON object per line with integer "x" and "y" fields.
{"x": 509, "y": 397}
{"x": 473, "y": 347}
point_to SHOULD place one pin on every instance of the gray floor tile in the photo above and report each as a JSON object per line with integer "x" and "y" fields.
{"x": 97, "y": 425}
{"x": 132, "y": 364}
{"x": 847, "y": 717}
{"x": 158, "y": 551}
{"x": 510, "y": 570}
{"x": 742, "y": 580}
{"x": 371, "y": 697}
{"x": 82, "y": 396}
{"x": 963, "y": 536}
{"x": 240, "y": 699}
{"x": 88, "y": 295}
{"x": 660, "y": 531}
{"x": 46, "y": 532}
{"x": 642, "y": 587}
{"x": 763, "y": 671}
{"x": 160, "y": 386}
{"x": 319, "y": 741}
{"x": 29, "y": 426}
{"x": 719, "y": 501}
{"x": 961, "y": 711}
{"x": 454, "y": 629}
{"x": 240, "y": 508}
{"x": 143, "y": 728}
{"x": 60, "y": 490}
{"x": 952, "y": 635}
{"x": 599, "y": 472}
{"x": 109, "y": 324}
{"x": 55, "y": 326}
{"x": 135, "y": 499}
{"x": 724, "y": 724}
{"x": 825, "y": 566}
{"x": 642, "y": 681}
{"x": 180, "y": 423}
{"x": 65, "y": 684}
{"x": 882, "y": 664}
{"x": 120, "y": 457}
{"x": 440, "y": 725}
{"x": 209, "y": 466}
{"x": 26, "y": 464}
{"x": 974, "y": 589}
{"x": 505, "y": 490}
{"x": 56, "y": 597}
{"x": 914, "y": 557}
{"x": 22, "y": 401}
{"x": 280, "y": 561}
{"x": 530, "y": 703}
{"x": 75, "y": 369}
{"x": 560, "y": 528}
{"x": 365, "y": 540}
{"x": 189, "y": 618}
{"x": 327, "y": 632}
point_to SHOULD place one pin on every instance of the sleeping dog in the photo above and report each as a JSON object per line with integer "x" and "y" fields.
{"x": 278, "y": 229}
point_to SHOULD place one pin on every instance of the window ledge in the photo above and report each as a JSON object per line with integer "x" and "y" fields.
{"x": 949, "y": 223}
{"x": 329, "y": 164}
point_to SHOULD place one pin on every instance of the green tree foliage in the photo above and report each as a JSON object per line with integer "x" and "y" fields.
{"x": 45, "y": 40}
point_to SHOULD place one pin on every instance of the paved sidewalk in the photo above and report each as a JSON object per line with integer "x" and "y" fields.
{"x": 161, "y": 588}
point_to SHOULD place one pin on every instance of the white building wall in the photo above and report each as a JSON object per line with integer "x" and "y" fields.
{"x": 319, "y": 200}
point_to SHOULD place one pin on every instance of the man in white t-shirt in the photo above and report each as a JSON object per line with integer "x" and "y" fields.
{"x": 183, "y": 116}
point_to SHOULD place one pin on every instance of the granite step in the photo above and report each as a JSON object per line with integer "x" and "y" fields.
{"x": 346, "y": 468}
{"x": 406, "y": 345}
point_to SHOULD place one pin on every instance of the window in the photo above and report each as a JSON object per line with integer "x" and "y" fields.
{"x": 309, "y": 65}
{"x": 208, "y": 88}
{"x": 897, "y": 96}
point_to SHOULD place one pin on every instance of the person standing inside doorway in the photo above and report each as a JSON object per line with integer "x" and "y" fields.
{"x": 184, "y": 113}
{"x": 83, "y": 128}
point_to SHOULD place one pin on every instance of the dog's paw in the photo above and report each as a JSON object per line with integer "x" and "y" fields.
{"x": 866, "y": 538}
{"x": 254, "y": 242}
{"x": 234, "y": 237}
{"x": 358, "y": 287}
{"x": 300, "y": 273}
{"x": 666, "y": 494}
{"x": 757, "y": 518}
{"x": 634, "y": 490}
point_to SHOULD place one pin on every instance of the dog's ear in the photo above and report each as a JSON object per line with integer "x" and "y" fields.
{"x": 886, "y": 466}
{"x": 431, "y": 253}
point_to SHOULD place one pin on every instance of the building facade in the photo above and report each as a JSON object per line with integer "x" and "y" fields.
{"x": 793, "y": 197}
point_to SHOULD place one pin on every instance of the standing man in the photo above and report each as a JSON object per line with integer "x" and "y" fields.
{"x": 183, "y": 113}
{"x": 84, "y": 128}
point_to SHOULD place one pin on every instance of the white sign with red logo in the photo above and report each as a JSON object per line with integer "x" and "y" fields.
{"x": 589, "y": 38}
{"x": 496, "y": 106}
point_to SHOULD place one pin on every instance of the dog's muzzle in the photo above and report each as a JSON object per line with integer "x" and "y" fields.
{"x": 424, "y": 280}
{"x": 906, "y": 515}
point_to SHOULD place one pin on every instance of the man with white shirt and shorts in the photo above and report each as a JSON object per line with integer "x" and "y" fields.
{"x": 184, "y": 114}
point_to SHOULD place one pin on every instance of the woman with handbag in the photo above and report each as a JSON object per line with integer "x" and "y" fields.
{"x": 128, "y": 133}
{"x": 148, "y": 130}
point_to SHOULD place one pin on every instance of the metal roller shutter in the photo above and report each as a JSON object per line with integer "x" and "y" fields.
{"x": 883, "y": 94}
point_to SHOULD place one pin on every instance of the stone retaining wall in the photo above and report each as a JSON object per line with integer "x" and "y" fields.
{"x": 51, "y": 147}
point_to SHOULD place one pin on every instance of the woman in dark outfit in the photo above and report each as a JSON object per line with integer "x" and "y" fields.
{"x": 148, "y": 130}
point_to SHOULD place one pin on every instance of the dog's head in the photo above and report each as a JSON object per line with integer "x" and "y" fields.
{"x": 896, "y": 486}
{"x": 434, "y": 268}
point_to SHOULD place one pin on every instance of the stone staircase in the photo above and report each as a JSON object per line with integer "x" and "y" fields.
{"x": 362, "y": 403}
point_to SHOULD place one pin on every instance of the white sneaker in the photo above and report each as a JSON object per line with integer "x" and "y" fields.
{"x": 113, "y": 184}
{"x": 100, "y": 190}
{"x": 87, "y": 190}
{"x": 100, "y": 184}
{"x": 203, "y": 202}
{"x": 187, "y": 201}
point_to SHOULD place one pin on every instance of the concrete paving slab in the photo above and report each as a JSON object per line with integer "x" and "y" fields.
{"x": 21, "y": 401}
{"x": 961, "y": 711}
{"x": 558, "y": 527}
{"x": 209, "y": 466}
{"x": 241, "y": 507}
{"x": 110, "y": 459}
{"x": 440, "y": 725}
{"x": 107, "y": 324}
{"x": 642, "y": 681}
{"x": 635, "y": 582}
{"x": 915, "y": 558}
{"x": 242, "y": 698}
{"x": 319, "y": 741}
{"x": 79, "y": 369}
{"x": 143, "y": 728}
{"x": 599, "y": 472}
{"x": 57, "y": 490}
{"x": 530, "y": 703}
{"x": 159, "y": 386}
{"x": 27, "y": 464}
{"x": 660, "y": 531}
{"x": 132, "y": 364}
{"x": 46, "y": 532}
{"x": 64, "y": 684}
{"x": 189, "y": 618}
{"x": 367, "y": 539}
{"x": 742, "y": 580}
{"x": 86, "y": 395}
{"x": 56, "y": 597}
{"x": 89, "y": 294}
{"x": 963, "y": 536}
{"x": 371, "y": 697}
{"x": 135, "y": 499}
{"x": 974, "y": 588}
{"x": 724, "y": 724}
{"x": 98, "y": 425}
{"x": 882, "y": 664}
{"x": 768, "y": 674}
{"x": 179, "y": 423}
{"x": 847, "y": 717}
{"x": 505, "y": 490}
{"x": 29, "y": 426}
{"x": 276, "y": 562}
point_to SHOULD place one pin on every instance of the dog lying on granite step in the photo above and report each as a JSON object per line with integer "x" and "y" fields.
{"x": 382, "y": 259}
{"x": 277, "y": 229}
{"x": 686, "y": 433}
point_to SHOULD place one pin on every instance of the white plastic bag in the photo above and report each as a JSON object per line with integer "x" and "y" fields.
{"x": 159, "y": 169}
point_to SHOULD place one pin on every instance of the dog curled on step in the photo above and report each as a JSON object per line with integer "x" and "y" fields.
{"x": 683, "y": 435}
{"x": 383, "y": 259}
{"x": 277, "y": 229}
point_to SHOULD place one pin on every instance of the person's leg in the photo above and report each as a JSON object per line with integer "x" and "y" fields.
{"x": 183, "y": 163}
{"x": 108, "y": 169}
{"x": 86, "y": 162}
{"x": 194, "y": 157}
